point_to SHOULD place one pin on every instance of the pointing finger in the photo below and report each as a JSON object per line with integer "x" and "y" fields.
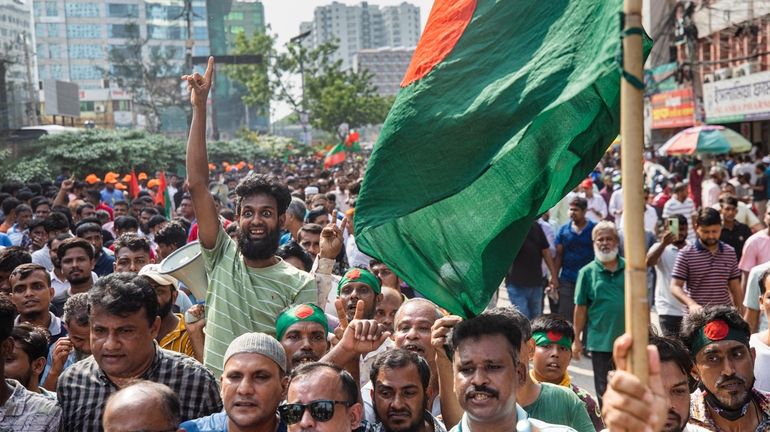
{"x": 341, "y": 313}
{"x": 359, "y": 310}
{"x": 209, "y": 69}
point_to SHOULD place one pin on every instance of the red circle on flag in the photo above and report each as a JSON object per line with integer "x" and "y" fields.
{"x": 303, "y": 311}
{"x": 716, "y": 330}
{"x": 446, "y": 24}
{"x": 553, "y": 335}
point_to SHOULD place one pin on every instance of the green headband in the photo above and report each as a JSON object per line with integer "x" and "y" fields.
{"x": 299, "y": 313}
{"x": 715, "y": 331}
{"x": 360, "y": 275}
{"x": 542, "y": 338}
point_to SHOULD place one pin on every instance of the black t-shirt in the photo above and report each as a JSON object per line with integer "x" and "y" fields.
{"x": 526, "y": 270}
{"x": 736, "y": 237}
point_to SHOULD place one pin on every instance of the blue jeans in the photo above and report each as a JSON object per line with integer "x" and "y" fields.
{"x": 527, "y": 299}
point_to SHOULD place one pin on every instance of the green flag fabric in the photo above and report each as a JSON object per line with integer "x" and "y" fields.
{"x": 505, "y": 107}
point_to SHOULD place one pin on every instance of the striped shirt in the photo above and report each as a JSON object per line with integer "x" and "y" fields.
{"x": 178, "y": 340}
{"x": 707, "y": 275}
{"x": 243, "y": 299}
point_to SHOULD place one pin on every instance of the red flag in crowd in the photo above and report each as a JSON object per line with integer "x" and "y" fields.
{"x": 133, "y": 186}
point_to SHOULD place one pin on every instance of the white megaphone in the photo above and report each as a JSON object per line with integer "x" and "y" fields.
{"x": 186, "y": 264}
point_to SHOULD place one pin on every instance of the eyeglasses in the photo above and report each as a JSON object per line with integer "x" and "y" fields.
{"x": 320, "y": 410}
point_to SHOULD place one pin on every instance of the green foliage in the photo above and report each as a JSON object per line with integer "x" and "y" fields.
{"x": 331, "y": 97}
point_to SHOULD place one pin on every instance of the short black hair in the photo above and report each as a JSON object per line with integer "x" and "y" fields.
{"x": 73, "y": 243}
{"x": 32, "y": 339}
{"x": 81, "y": 207}
{"x": 12, "y": 257}
{"x": 488, "y": 324}
{"x": 56, "y": 221}
{"x": 123, "y": 223}
{"x": 123, "y": 294}
{"x": 172, "y": 234}
{"x": 695, "y": 321}
{"x": 671, "y": 349}
{"x": 553, "y": 322}
{"x": 579, "y": 202}
{"x": 315, "y": 213}
{"x": 7, "y": 315}
{"x": 156, "y": 220}
{"x": 23, "y": 208}
{"x": 729, "y": 199}
{"x": 76, "y": 310}
{"x": 34, "y": 223}
{"x": 708, "y": 216}
{"x": 349, "y": 385}
{"x": 133, "y": 242}
{"x": 120, "y": 203}
{"x": 398, "y": 359}
{"x": 9, "y": 205}
{"x": 255, "y": 184}
{"x": 38, "y": 201}
{"x": 312, "y": 228}
{"x": 86, "y": 228}
{"x": 520, "y": 320}
{"x": 293, "y": 249}
{"x": 151, "y": 210}
{"x": 762, "y": 280}
{"x": 59, "y": 237}
{"x": 24, "y": 270}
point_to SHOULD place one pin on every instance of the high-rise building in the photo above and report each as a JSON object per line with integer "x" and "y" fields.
{"x": 74, "y": 39}
{"x": 402, "y": 25}
{"x": 362, "y": 27}
{"x": 227, "y": 19}
{"x": 17, "y": 81}
{"x": 387, "y": 66}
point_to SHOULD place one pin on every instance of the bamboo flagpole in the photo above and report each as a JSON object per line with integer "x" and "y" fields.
{"x": 637, "y": 308}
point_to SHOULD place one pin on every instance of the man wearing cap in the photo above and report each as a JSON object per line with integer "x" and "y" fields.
{"x": 718, "y": 340}
{"x": 173, "y": 334}
{"x": 109, "y": 195}
{"x": 253, "y": 385}
{"x": 597, "y": 207}
{"x": 301, "y": 330}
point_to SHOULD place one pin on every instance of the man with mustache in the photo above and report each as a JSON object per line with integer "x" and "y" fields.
{"x": 706, "y": 273}
{"x": 245, "y": 272}
{"x": 77, "y": 262}
{"x": 401, "y": 379}
{"x": 302, "y": 330}
{"x": 487, "y": 374}
{"x": 599, "y": 303}
{"x": 718, "y": 340}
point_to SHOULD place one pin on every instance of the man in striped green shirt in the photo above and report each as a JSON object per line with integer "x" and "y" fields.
{"x": 248, "y": 284}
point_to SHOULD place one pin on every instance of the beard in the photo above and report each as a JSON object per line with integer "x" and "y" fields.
{"x": 674, "y": 422}
{"x": 165, "y": 309}
{"x": 80, "y": 280}
{"x": 259, "y": 249}
{"x": 606, "y": 256}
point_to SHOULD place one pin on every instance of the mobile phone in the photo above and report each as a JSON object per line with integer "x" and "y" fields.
{"x": 673, "y": 226}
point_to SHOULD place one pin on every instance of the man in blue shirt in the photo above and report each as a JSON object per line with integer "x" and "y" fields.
{"x": 574, "y": 249}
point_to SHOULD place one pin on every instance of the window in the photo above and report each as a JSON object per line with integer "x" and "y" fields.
{"x": 54, "y": 30}
{"x": 200, "y": 33}
{"x": 40, "y": 30}
{"x": 55, "y": 51}
{"x": 162, "y": 12}
{"x": 85, "y": 72}
{"x": 236, "y": 29}
{"x": 51, "y": 8}
{"x": 38, "y": 8}
{"x": 122, "y": 30}
{"x": 84, "y": 31}
{"x": 120, "y": 10}
{"x": 87, "y": 106}
{"x": 86, "y": 51}
{"x": 81, "y": 9}
{"x": 42, "y": 72}
{"x": 235, "y": 16}
{"x": 121, "y": 105}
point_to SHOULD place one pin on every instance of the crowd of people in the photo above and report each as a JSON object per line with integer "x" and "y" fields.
{"x": 298, "y": 330}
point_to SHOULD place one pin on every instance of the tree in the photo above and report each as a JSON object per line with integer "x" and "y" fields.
{"x": 150, "y": 73}
{"x": 332, "y": 96}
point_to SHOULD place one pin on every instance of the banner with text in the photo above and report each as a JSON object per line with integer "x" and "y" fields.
{"x": 673, "y": 109}
{"x": 739, "y": 99}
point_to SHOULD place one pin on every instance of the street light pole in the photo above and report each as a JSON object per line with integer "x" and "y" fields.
{"x": 303, "y": 115}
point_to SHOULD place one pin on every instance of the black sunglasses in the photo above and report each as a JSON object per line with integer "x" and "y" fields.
{"x": 321, "y": 410}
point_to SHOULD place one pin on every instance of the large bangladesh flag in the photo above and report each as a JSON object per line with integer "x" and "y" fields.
{"x": 505, "y": 107}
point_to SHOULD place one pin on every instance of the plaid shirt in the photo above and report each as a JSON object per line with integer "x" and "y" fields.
{"x": 27, "y": 411}
{"x": 701, "y": 417}
{"x": 83, "y": 389}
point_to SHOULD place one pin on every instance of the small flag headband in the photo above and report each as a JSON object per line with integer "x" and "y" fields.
{"x": 551, "y": 337}
{"x": 715, "y": 331}
{"x": 299, "y": 313}
{"x": 360, "y": 275}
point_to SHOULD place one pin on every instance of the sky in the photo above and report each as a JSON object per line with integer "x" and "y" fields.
{"x": 284, "y": 17}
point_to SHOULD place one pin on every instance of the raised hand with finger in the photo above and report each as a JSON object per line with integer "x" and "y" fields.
{"x": 199, "y": 85}
{"x": 360, "y": 336}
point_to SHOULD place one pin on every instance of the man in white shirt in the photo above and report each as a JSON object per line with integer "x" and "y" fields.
{"x": 597, "y": 208}
{"x": 662, "y": 256}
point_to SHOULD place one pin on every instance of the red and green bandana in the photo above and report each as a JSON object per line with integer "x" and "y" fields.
{"x": 298, "y": 313}
{"x": 551, "y": 337}
{"x": 715, "y": 331}
{"x": 360, "y": 275}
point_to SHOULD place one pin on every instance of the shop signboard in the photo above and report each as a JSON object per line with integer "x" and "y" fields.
{"x": 673, "y": 109}
{"x": 737, "y": 100}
